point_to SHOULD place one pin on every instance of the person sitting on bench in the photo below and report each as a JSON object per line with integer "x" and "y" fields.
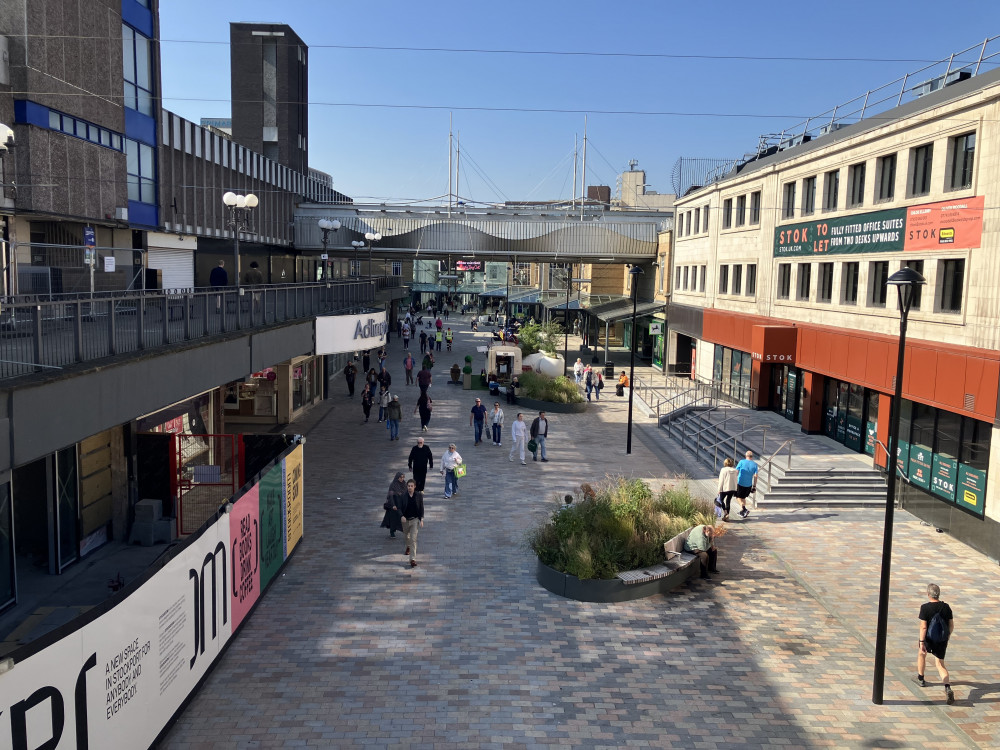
{"x": 700, "y": 543}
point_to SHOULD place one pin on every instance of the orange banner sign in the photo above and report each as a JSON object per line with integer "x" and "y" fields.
{"x": 948, "y": 225}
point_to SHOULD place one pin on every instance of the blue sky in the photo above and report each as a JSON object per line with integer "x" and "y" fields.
{"x": 719, "y": 106}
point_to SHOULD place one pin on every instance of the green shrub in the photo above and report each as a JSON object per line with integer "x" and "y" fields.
{"x": 536, "y": 337}
{"x": 559, "y": 390}
{"x": 620, "y": 524}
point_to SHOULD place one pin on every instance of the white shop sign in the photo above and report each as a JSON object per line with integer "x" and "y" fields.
{"x": 337, "y": 334}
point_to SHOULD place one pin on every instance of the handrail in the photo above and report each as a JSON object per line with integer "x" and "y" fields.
{"x": 769, "y": 462}
{"x": 898, "y": 470}
{"x": 735, "y": 438}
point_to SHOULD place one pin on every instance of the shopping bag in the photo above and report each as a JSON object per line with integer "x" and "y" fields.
{"x": 460, "y": 470}
{"x": 532, "y": 446}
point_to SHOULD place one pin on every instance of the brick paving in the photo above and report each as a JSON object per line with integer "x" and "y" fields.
{"x": 352, "y": 648}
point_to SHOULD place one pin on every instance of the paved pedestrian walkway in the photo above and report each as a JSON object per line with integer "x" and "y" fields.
{"x": 352, "y": 648}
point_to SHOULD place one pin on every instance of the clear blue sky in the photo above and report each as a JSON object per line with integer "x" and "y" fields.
{"x": 378, "y": 153}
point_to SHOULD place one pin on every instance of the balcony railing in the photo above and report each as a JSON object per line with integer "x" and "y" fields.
{"x": 44, "y": 335}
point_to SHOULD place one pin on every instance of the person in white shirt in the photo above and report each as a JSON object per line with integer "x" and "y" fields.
{"x": 518, "y": 432}
{"x": 496, "y": 423}
{"x": 727, "y": 487}
{"x": 578, "y": 370}
{"x": 449, "y": 461}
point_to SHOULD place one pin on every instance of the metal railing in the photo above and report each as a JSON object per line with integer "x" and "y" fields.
{"x": 769, "y": 461}
{"x": 45, "y": 336}
{"x": 735, "y": 439}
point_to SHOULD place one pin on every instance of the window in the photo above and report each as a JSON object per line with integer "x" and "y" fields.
{"x": 751, "y": 288}
{"x": 788, "y": 207}
{"x": 824, "y": 291}
{"x": 878, "y": 272}
{"x": 849, "y": 284}
{"x": 141, "y": 169}
{"x": 805, "y": 281}
{"x": 918, "y": 266}
{"x": 704, "y": 219}
{"x": 702, "y": 279}
{"x": 727, "y": 213}
{"x": 741, "y": 210}
{"x": 784, "y": 280}
{"x": 755, "y": 207}
{"x": 831, "y": 189}
{"x": 975, "y": 443}
{"x": 723, "y": 279}
{"x": 137, "y": 68}
{"x": 856, "y": 185}
{"x": 662, "y": 273}
{"x": 737, "y": 279}
{"x": 677, "y": 280}
{"x": 694, "y": 279}
{"x": 687, "y": 223}
{"x": 951, "y": 274}
{"x": 808, "y": 196}
{"x": 963, "y": 152}
{"x": 920, "y": 169}
{"x": 397, "y": 268}
{"x": 886, "y": 168}
{"x": 685, "y": 278}
{"x": 697, "y": 220}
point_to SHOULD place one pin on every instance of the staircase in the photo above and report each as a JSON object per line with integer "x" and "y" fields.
{"x": 803, "y": 470}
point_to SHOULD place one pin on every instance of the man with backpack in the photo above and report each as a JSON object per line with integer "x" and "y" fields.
{"x": 936, "y": 626}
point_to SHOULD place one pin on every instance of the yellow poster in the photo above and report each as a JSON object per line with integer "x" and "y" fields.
{"x": 293, "y": 499}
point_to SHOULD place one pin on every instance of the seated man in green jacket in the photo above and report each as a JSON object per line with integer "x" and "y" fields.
{"x": 700, "y": 542}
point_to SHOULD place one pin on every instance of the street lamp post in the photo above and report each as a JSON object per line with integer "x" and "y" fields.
{"x": 371, "y": 237}
{"x": 239, "y": 207}
{"x": 906, "y": 281}
{"x": 357, "y": 245}
{"x": 634, "y": 272}
{"x": 569, "y": 286}
{"x": 327, "y": 226}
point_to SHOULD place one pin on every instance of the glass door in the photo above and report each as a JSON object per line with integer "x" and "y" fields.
{"x": 871, "y": 422}
{"x": 855, "y": 407}
{"x": 830, "y": 409}
{"x": 67, "y": 507}
{"x": 792, "y": 394}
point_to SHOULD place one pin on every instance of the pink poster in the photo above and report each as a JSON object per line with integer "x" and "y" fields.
{"x": 244, "y": 544}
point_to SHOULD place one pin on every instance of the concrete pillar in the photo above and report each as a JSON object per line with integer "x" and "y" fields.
{"x": 812, "y": 402}
{"x": 882, "y": 431}
{"x": 760, "y": 381}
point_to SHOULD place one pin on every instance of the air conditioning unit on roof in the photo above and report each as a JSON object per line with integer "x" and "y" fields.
{"x": 831, "y": 127}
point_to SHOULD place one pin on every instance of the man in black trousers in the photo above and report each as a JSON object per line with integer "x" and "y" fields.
{"x": 419, "y": 461}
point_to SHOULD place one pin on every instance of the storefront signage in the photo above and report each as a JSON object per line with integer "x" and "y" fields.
{"x": 774, "y": 344}
{"x": 655, "y": 329}
{"x": 971, "y": 489}
{"x": 944, "y": 477}
{"x": 946, "y": 225}
{"x": 920, "y": 466}
{"x": 469, "y": 265}
{"x": 338, "y": 334}
{"x": 903, "y": 457}
{"x": 871, "y": 437}
{"x": 852, "y": 438}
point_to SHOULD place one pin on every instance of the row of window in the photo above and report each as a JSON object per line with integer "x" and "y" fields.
{"x": 733, "y": 283}
{"x": 949, "y": 284}
{"x": 78, "y": 128}
{"x": 690, "y": 278}
{"x": 961, "y": 158}
{"x": 743, "y": 210}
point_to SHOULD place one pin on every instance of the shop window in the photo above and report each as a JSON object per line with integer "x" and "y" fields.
{"x": 921, "y": 160}
{"x": 808, "y": 196}
{"x": 963, "y": 152}
{"x": 788, "y": 205}
{"x": 831, "y": 189}
{"x": 824, "y": 291}
{"x": 737, "y": 287}
{"x": 751, "y": 288}
{"x": 856, "y": 185}
{"x": 948, "y": 438}
{"x": 886, "y": 169}
{"x": 975, "y": 451}
{"x": 951, "y": 277}
{"x": 755, "y": 207}
{"x": 918, "y": 266}
{"x": 878, "y": 273}
{"x": 727, "y": 213}
{"x": 849, "y": 284}
{"x": 805, "y": 281}
{"x": 723, "y": 279}
{"x": 784, "y": 280}
{"x": 741, "y": 210}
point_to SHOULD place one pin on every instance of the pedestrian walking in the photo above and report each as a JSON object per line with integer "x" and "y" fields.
{"x": 393, "y": 413}
{"x": 424, "y": 379}
{"x": 405, "y": 333}
{"x": 393, "y": 519}
{"x": 746, "y": 481}
{"x": 449, "y": 337}
{"x": 366, "y": 361}
{"x": 383, "y": 403}
{"x": 428, "y": 361}
{"x": 424, "y": 408}
{"x": 937, "y": 623}
{"x": 578, "y": 370}
{"x": 350, "y": 373}
{"x": 449, "y": 462}
{"x": 413, "y": 519}
{"x": 439, "y": 324}
{"x": 384, "y": 378}
{"x": 518, "y": 431}
{"x": 496, "y": 423}
{"x": 371, "y": 380}
{"x": 477, "y": 418}
{"x": 408, "y": 368}
{"x": 588, "y": 381}
{"x": 622, "y": 384}
{"x": 423, "y": 341}
{"x": 727, "y": 487}
{"x": 439, "y": 338}
{"x": 598, "y": 387}
{"x": 366, "y": 401}
{"x": 421, "y": 458}
{"x": 219, "y": 279}
{"x": 539, "y": 432}
{"x": 253, "y": 276}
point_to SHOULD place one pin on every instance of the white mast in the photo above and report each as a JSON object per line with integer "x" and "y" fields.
{"x": 449, "y": 164}
{"x": 458, "y": 165}
{"x": 583, "y": 181}
{"x": 572, "y": 205}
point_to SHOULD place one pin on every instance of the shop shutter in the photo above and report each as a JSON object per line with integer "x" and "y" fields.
{"x": 177, "y": 267}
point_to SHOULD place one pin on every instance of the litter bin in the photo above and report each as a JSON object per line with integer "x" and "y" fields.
{"x": 609, "y": 369}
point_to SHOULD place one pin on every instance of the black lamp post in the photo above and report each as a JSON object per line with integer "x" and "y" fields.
{"x": 240, "y": 208}
{"x": 634, "y": 273}
{"x": 906, "y": 281}
{"x": 326, "y": 226}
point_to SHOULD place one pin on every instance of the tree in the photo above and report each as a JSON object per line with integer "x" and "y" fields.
{"x": 536, "y": 337}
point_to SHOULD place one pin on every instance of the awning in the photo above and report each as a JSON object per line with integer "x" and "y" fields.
{"x": 622, "y": 310}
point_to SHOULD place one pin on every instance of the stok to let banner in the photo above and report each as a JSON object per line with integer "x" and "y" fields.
{"x": 942, "y": 226}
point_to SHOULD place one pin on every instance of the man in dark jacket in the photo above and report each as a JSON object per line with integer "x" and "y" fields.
{"x": 539, "y": 431}
{"x": 424, "y": 379}
{"x": 218, "y": 277}
{"x": 419, "y": 461}
{"x": 384, "y": 379}
{"x": 350, "y": 372}
{"x": 413, "y": 518}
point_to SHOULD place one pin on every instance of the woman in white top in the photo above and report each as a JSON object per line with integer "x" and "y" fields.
{"x": 727, "y": 486}
{"x": 496, "y": 422}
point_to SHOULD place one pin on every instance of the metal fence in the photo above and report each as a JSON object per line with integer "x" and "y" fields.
{"x": 47, "y": 335}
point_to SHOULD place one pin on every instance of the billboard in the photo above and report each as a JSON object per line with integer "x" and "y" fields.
{"x": 469, "y": 265}
{"x": 337, "y": 334}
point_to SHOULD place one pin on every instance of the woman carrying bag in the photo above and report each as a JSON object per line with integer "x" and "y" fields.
{"x": 496, "y": 423}
{"x": 727, "y": 487}
{"x": 622, "y": 384}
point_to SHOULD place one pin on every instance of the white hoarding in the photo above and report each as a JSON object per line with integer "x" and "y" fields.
{"x": 337, "y": 334}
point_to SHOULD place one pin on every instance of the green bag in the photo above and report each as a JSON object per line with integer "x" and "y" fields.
{"x": 532, "y": 446}
{"x": 460, "y": 471}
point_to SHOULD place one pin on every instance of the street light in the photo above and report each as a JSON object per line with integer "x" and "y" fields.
{"x": 327, "y": 226}
{"x": 371, "y": 237}
{"x": 569, "y": 285}
{"x": 906, "y": 281}
{"x": 239, "y": 207}
{"x": 357, "y": 245}
{"x": 634, "y": 272}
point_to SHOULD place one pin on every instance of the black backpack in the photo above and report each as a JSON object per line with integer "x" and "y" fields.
{"x": 937, "y": 630}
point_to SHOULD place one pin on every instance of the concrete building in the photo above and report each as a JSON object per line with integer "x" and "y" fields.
{"x": 779, "y": 289}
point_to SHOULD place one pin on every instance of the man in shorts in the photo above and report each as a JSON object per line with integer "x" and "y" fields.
{"x": 935, "y": 648}
{"x": 746, "y": 481}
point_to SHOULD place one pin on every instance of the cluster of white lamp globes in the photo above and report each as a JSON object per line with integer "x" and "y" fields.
{"x": 233, "y": 200}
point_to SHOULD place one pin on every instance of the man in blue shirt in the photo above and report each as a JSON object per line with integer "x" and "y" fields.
{"x": 478, "y": 416}
{"x": 746, "y": 481}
